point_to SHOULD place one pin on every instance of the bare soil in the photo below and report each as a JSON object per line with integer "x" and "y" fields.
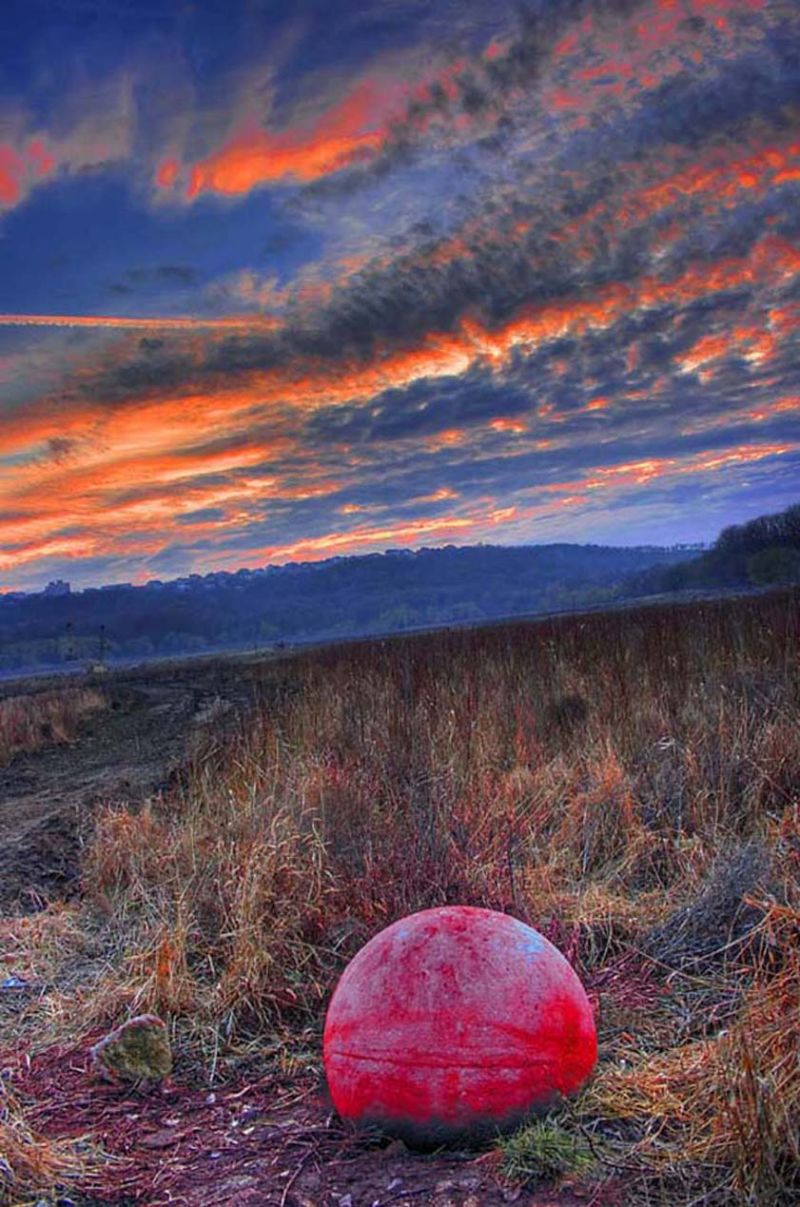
{"x": 122, "y": 754}
{"x": 271, "y": 1141}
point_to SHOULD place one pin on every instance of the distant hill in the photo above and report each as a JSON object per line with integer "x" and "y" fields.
{"x": 389, "y": 592}
{"x": 760, "y": 553}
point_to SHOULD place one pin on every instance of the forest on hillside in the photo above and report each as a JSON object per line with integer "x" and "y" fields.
{"x": 763, "y": 552}
{"x": 378, "y": 593}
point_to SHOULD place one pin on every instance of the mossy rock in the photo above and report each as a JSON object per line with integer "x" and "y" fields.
{"x": 139, "y": 1051}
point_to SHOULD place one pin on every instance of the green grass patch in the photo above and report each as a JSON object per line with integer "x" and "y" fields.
{"x": 544, "y": 1150}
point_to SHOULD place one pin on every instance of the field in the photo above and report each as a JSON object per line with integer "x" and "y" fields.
{"x": 627, "y": 782}
{"x": 29, "y": 722}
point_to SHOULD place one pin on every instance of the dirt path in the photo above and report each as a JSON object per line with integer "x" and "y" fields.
{"x": 270, "y": 1140}
{"x": 123, "y": 754}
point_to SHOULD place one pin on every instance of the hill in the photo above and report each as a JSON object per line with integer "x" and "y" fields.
{"x": 378, "y": 593}
{"x": 763, "y": 552}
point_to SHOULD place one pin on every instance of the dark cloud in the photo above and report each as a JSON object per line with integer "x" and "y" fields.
{"x": 483, "y": 92}
{"x": 201, "y": 516}
{"x": 59, "y": 448}
{"x": 422, "y": 409}
{"x": 154, "y": 276}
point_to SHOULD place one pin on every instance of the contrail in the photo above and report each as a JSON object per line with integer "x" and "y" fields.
{"x": 244, "y": 322}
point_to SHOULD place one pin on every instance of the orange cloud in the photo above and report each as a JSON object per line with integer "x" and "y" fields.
{"x": 194, "y": 417}
{"x": 449, "y": 438}
{"x": 785, "y": 319}
{"x": 314, "y": 548}
{"x": 744, "y": 455}
{"x": 720, "y": 177}
{"x": 160, "y": 438}
{"x": 438, "y": 496}
{"x": 353, "y": 129}
{"x": 754, "y": 342}
{"x": 570, "y": 494}
{"x": 95, "y": 501}
{"x": 761, "y": 413}
{"x": 782, "y": 406}
{"x": 450, "y": 354}
{"x": 707, "y": 348}
{"x": 246, "y": 322}
{"x": 167, "y": 172}
{"x": 11, "y": 168}
{"x": 516, "y": 426}
{"x": 93, "y": 127}
{"x": 348, "y": 131}
{"x": 21, "y": 168}
{"x": 615, "y": 479}
{"x": 76, "y": 546}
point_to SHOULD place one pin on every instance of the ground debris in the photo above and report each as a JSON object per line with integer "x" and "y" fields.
{"x": 246, "y": 1144}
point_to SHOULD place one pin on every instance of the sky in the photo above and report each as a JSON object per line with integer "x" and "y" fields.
{"x": 281, "y": 281}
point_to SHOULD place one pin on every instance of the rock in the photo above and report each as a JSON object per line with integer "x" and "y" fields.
{"x": 138, "y": 1051}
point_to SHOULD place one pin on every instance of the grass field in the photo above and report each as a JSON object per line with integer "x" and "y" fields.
{"x": 29, "y": 722}
{"x": 626, "y": 782}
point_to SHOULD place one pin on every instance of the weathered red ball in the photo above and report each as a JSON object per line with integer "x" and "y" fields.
{"x": 453, "y": 1023}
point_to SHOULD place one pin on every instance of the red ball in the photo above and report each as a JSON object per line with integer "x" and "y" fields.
{"x": 456, "y": 1023}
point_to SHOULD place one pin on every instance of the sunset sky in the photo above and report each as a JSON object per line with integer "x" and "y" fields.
{"x": 287, "y": 280}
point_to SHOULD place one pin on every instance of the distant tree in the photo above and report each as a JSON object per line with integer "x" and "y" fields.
{"x": 776, "y": 564}
{"x": 345, "y": 596}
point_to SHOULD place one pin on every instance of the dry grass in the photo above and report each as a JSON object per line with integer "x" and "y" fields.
{"x": 37, "y": 946}
{"x": 628, "y": 782}
{"x": 30, "y": 1164}
{"x": 727, "y": 1105}
{"x": 31, "y": 721}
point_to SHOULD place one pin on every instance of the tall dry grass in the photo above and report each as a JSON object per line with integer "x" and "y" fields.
{"x": 31, "y": 721}
{"x": 30, "y": 1164}
{"x": 627, "y": 782}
